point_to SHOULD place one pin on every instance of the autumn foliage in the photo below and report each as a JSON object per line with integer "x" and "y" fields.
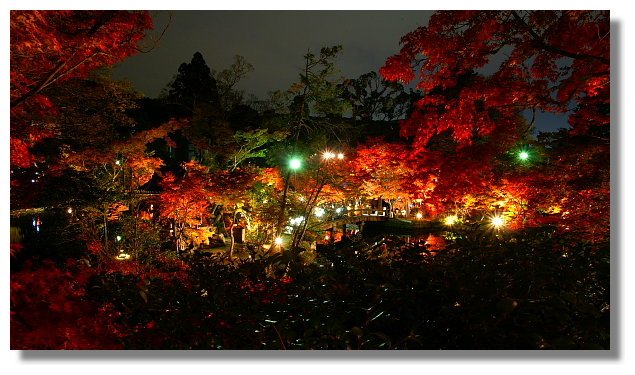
{"x": 480, "y": 73}
{"x": 50, "y": 310}
{"x": 50, "y": 47}
{"x": 109, "y": 188}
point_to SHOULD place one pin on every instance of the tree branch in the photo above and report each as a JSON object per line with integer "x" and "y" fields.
{"x": 547, "y": 47}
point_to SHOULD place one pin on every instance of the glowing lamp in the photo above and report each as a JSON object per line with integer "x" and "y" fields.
{"x": 118, "y": 238}
{"x": 122, "y": 256}
{"x": 118, "y": 162}
{"x": 450, "y": 220}
{"x": 278, "y": 241}
{"x": 295, "y": 164}
{"x": 328, "y": 155}
{"x": 498, "y": 222}
{"x": 419, "y": 215}
{"x": 523, "y": 155}
{"x": 340, "y": 156}
{"x": 70, "y": 210}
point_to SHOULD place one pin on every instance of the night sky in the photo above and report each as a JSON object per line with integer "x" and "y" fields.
{"x": 274, "y": 42}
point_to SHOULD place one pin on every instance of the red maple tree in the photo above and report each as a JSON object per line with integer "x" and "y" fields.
{"x": 49, "y": 47}
{"x": 480, "y": 73}
{"x": 184, "y": 201}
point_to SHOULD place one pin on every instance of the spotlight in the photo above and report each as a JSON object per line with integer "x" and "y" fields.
{"x": 497, "y": 222}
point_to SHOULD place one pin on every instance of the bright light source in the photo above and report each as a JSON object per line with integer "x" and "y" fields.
{"x": 340, "y": 156}
{"x": 328, "y": 155}
{"x": 118, "y": 162}
{"x": 32, "y": 181}
{"x": 419, "y": 215}
{"x": 278, "y": 241}
{"x": 450, "y": 220}
{"x": 118, "y": 238}
{"x": 70, "y": 210}
{"x": 338, "y": 210}
{"x": 498, "y": 221}
{"x": 319, "y": 212}
{"x": 297, "y": 220}
{"x": 523, "y": 155}
{"x": 295, "y": 163}
{"x": 122, "y": 256}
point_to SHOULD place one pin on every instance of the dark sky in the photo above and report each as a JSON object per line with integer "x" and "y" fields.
{"x": 272, "y": 41}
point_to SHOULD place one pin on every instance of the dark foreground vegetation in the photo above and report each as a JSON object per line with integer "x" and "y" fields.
{"x": 529, "y": 291}
{"x": 184, "y": 221}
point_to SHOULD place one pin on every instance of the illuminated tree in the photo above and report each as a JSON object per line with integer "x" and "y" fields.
{"x": 50, "y": 47}
{"x": 382, "y": 172}
{"x": 114, "y": 175}
{"x": 320, "y": 182}
{"x": 252, "y": 144}
{"x": 478, "y": 70}
{"x": 264, "y": 198}
{"x": 184, "y": 201}
{"x": 547, "y": 61}
{"x": 231, "y": 192}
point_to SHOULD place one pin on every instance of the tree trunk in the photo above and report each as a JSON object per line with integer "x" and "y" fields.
{"x": 106, "y": 232}
{"x": 299, "y": 236}
{"x": 283, "y": 206}
{"x": 232, "y": 241}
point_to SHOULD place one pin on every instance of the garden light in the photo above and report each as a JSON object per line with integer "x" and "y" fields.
{"x": 523, "y": 155}
{"x": 278, "y": 241}
{"x": 327, "y": 155}
{"x": 497, "y": 222}
{"x": 450, "y": 220}
{"x": 295, "y": 164}
{"x": 340, "y": 156}
{"x": 122, "y": 256}
{"x": 297, "y": 221}
{"x": 419, "y": 215}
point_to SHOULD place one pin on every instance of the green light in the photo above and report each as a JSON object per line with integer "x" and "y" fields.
{"x": 523, "y": 155}
{"x": 295, "y": 163}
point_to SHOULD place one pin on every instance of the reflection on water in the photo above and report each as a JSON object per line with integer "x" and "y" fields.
{"x": 424, "y": 243}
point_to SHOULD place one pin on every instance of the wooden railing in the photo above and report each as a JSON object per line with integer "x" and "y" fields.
{"x": 351, "y": 216}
